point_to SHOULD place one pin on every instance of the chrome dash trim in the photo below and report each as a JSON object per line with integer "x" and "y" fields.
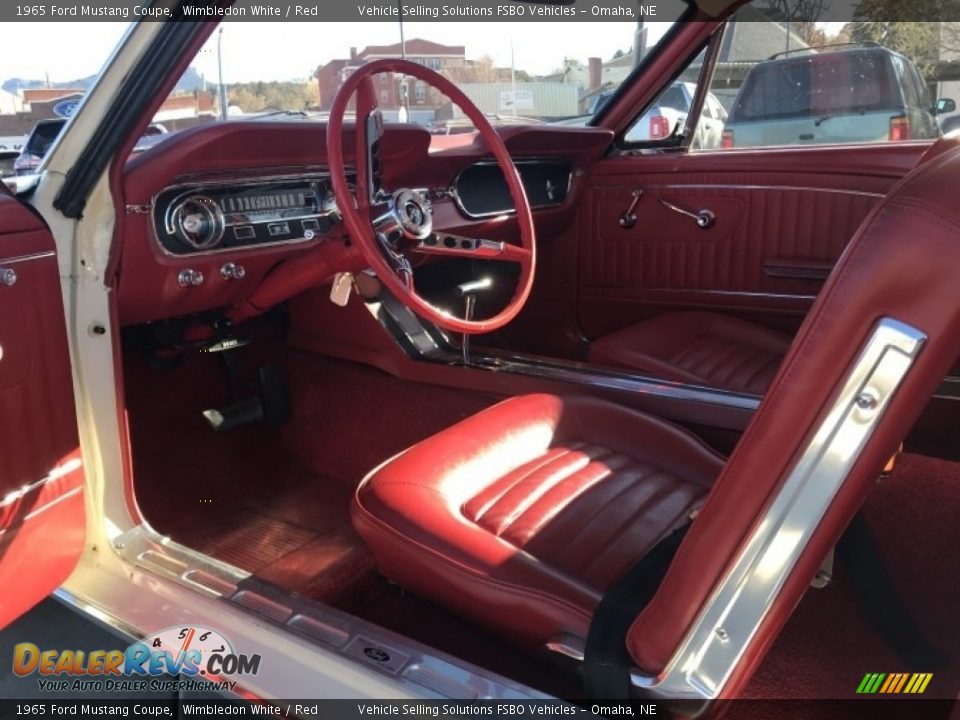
{"x": 205, "y": 182}
{"x": 727, "y": 624}
{"x": 455, "y": 185}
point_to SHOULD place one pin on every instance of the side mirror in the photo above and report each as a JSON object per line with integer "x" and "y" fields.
{"x": 946, "y": 105}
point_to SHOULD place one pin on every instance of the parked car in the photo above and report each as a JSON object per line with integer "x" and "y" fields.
{"x": 840, "y": 94}
{"x": 37, "y": 145}
{"x": 948, "y": 115}
{"x": 667, "y": 115}
{"x": 44, "y": 133}
{"x": 8, "y": 159}
{"x": 670, "y": 114}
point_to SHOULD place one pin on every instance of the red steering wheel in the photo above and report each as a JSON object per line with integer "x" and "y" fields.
{"x": 385, "y": 226}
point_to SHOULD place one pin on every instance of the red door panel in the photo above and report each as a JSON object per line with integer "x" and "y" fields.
{"x": 41, "y": 478}
{"x": 782, "y": 218}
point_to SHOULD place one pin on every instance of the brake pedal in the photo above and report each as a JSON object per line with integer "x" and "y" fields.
{"x": 271, "y": 405}
{"x": 240, "y": 413}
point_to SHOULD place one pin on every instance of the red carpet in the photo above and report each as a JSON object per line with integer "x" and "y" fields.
{"x": 276, "y": 503}
{"x": 827, "y": 647}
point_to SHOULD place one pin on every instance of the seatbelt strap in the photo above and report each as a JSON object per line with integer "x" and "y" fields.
{"x": 882, "y": 605}
{"x": 606, "y": 662}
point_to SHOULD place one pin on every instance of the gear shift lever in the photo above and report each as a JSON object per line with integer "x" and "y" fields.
{"x": 468, "y": 291}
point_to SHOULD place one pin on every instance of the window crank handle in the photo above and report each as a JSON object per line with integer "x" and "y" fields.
{"x": 628, "y": 218}
{"x": 704, "y": 219}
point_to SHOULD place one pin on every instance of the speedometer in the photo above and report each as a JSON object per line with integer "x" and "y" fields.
{"x": 197, "y": 221}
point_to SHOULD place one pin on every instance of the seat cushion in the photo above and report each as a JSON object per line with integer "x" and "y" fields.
{"x": 697, "y": 347}
{"x": 522, "y": 516}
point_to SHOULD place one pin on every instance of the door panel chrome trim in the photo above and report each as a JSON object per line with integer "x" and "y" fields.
{"x": 787, "y": 188}
{"x": 27, "y": 258}
{"x": 728, "y": 622}
{"x": 949, "y": 389}
{"x": 15, "y": 496}
{"x": 631, "y": 294}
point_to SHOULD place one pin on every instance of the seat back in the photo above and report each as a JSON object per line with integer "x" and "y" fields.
{"x": 881, "y": 336}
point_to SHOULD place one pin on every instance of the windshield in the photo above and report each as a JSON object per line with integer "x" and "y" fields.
{"x": 550, "y": 71}
{"x": 515, "y": 72}
{"x": 47, "y": 70}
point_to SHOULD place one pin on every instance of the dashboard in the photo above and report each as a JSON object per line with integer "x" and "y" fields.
{"x": 210, "y": 212}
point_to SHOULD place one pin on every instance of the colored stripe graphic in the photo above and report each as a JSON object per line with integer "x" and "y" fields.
{"x": 902, "y": 681}
{"x": 894, "y": 683}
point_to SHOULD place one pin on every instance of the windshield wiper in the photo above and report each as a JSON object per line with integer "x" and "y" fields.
{"x": 823, "y": 118}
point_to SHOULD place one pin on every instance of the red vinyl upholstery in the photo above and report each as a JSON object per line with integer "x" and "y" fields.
{"x": 697, "y": 347}
{"x": 521, "y": 517}
{"x": 516, "y": 517}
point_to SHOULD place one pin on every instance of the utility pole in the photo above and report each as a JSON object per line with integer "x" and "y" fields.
{"x": 639, "y": 42}
{"x": 513, "y": 78}
{"x": 404, "y": 113}
{"x": 223, "y": 88}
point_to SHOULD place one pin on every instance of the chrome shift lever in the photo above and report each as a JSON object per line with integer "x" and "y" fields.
{"x": 468, "y": 291}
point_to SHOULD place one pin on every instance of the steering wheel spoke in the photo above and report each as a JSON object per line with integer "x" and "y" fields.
{"x": 399, "y": 263}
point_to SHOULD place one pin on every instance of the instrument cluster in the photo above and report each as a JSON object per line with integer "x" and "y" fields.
{"x": 213, "y": 217}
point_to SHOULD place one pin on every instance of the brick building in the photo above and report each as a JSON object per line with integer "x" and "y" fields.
{"x": 388, "y": 86}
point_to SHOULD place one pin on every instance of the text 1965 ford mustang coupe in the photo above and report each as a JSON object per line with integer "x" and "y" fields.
{"x": 238, "y": 389}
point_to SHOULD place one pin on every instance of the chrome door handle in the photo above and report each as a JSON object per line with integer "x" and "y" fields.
{"x": 705, "y": 219}
{"x": 8, "y": 276}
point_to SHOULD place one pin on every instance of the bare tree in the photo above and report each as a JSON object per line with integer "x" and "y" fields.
{"x": 801, "y": 16}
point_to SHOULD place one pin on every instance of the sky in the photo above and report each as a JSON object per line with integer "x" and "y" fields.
{"x": 74, "y": 50}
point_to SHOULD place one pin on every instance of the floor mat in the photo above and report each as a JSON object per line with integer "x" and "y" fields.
{"x": 296, "y": 538}
{"x": 276, "y": 502}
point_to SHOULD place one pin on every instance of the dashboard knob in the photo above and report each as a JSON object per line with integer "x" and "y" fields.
{"x": 190, "y": 278}
{"x": 233, "y": 271}
{"x": 8, "y": 276}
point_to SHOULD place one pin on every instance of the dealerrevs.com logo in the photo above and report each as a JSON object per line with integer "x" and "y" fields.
{"x": 202, "y": 655}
